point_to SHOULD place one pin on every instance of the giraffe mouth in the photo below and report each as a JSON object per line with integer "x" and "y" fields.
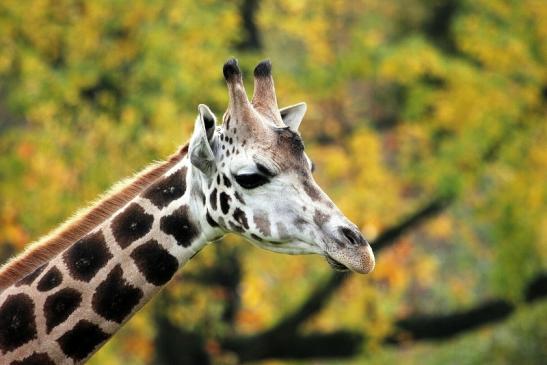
{"x": 358, "y": 259}
{"x": 336, "y": 265}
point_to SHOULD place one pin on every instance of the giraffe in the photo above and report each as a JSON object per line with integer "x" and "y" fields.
{"x": 70, "y": 292}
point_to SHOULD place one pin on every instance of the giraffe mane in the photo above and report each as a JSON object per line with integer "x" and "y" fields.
{"x": 49, "y": 246}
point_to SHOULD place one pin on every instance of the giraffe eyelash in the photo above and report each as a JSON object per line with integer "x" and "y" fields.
{"x": 251, "y": 181}
{"x": 264, "y": 170}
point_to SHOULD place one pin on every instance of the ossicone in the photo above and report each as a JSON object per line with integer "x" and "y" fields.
{"x": 231, "y": 69}
{"x": 263, "y": 69}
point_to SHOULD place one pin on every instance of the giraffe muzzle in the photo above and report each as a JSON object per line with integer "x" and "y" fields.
{"x": 353, "y": 252}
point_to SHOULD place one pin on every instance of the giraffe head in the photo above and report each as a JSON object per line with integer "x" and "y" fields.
{"x": 258, "y": 182}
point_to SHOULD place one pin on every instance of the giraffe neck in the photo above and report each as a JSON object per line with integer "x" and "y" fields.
{"x": 67, "y": 308}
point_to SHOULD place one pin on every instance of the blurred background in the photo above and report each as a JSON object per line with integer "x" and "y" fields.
{"x": 427, "y": 124}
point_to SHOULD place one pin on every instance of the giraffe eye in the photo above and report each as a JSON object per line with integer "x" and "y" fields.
{"x": 251, "y": 181}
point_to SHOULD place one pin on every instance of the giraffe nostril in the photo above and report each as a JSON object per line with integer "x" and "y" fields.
{"x": 352, "y": 236}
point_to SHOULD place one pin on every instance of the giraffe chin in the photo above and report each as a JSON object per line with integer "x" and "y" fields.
{"x": 360, "y": 260}
{"x": 335, "y": 265}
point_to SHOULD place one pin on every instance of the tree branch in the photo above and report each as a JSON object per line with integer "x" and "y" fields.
{"x": 252, "y": 39}
{"x": 289, "y": 344}
{"x": 537, "y": 288}
{"x": 428, "y": 211}
{"x": 296, "y": 346}
{"x": 444, "y": 326}
{"x": 176, "y": 345}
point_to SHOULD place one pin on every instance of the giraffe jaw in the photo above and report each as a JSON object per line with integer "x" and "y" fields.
{"x": 358, "y": 259}
{"x": 289, "y": 247}
{"x": 335, "y": 265}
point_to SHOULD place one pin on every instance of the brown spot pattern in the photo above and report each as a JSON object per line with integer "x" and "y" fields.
{"x": 115, "y": 298}
{"x": 281, "y": 230}
{"x": 320, "y": 218}
{"x": 241, "y": 218}
{"x": 168, "y": 189}
{"x": 311, "y": 190}
{"x": 131, "y": 224}
{"x": 17, "y": 322}
{"x": 87, "y": 256}
{"x": 59, "y": 306}
{"x": 262, "y": 222}
{"x": 179, "y": 226}
{"x": 79, "y": 342}
{"x": 156, "y": 264}
{"x": 50, "y": 280}
{"x": 224, "y": 202}
{"x": 213, "y": 199}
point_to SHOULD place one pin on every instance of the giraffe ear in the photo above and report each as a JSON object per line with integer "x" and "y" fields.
{"x": 201, "y": 143}
{"x": 292, "y": 115}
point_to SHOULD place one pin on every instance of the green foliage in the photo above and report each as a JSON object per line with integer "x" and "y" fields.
{"x": 407, "y": 101}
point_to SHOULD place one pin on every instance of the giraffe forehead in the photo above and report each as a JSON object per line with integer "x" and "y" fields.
{"x": 259, "y": 134}
{"x": 281, "y": 155}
